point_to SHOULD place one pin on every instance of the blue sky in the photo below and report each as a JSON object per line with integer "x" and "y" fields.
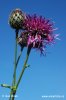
{"x": 46, "y": 75}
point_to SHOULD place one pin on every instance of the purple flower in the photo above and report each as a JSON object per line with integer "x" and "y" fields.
{"x": 38, "y": 32}
{"x": 38, "y": 23}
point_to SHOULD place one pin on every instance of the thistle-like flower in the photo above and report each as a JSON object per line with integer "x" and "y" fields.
{"x": 16, "y": 19}
{"x": 39, "y": 32}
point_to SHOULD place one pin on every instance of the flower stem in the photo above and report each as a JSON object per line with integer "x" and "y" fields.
{"x": 14, "y": 75}
{"x": 20, "y": 77}
{"x": 19, "y": 56}
{"x": 15, "y": 58}
{"x": 24, "y": 67}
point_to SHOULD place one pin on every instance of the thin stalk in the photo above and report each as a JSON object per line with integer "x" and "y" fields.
{"x": 21, "y": 74}
{"x": 14, "y": 75}
{"x": 19, "y": 56}
{"x": 13, "y": 96}
{"x": 15, "y": 58}
{"x": 24, "y": 67}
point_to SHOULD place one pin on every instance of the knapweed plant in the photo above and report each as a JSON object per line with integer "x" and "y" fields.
{"x": 32, "y": 32}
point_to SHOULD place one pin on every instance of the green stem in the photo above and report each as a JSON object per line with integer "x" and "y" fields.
{"x": 20, "y": 77}
{"x": 14, "y": 75}
{"x": 24, "y": 67}
{"x": 11, "y": 93}
{"x": 15, "y": 58}
{"x": 19, "y": 56}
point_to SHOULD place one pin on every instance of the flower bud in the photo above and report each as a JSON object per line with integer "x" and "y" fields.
{"x": 16, "y": 19}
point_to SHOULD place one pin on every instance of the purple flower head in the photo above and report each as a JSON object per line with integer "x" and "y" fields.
{"x": 38, "y": 32}
{"x": 38, "y": 24}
